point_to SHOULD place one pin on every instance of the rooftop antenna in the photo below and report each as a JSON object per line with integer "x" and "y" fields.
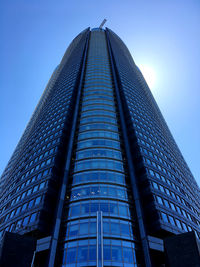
{"x": 102, "y": 24}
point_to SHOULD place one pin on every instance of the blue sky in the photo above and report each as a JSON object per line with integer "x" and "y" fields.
{"x": 163, "y": 35}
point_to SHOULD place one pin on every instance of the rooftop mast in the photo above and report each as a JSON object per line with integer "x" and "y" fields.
{"x": 102, "y": 24}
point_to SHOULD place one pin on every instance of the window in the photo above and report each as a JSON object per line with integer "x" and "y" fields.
{"x": 71, "y": 255}
{"x": 45, "y": 173}
{"x": 113, "y": 208}
{"x": 104, "y": 207}
{"x": 24, "y": 207}
{"x": 82, "y": 253}
{"x": 125, "y": 229}
{"x": 128, "y": 255}
{"x": 35, "y": 188}
{"x": 92, "y": 228}
{"x": 33, "y": 217}
{"x": 38, "y": 200}
{"x": 171, "y": 220}
{"x": 155, "y": 185}
{"x": 92, "y": 253}
{"x": 25, "y": 221}
{"x": 166, "y": 203}
{"x": 30, "y": 205}
{"x": 115, "y": 228}
{"x": 164, "y": 217}
{"x": 122, "y": 210}
{"x": 48, "y": 161}
{"x": 162, "y": 188}
{"x": 94, "y": 207}
{"x": 98, "y": 163}
{"x": 18, "y": 210}
{"x": 75, "y": 210}
{"x": 106, "y": 227}
{"x": 73, "y": 230}
{"x": 42, "y": 185}
{"x": 178, "y": 223}
{"x": 159, "y": 200}
{"x": 116, "y": 253}
{"x": 107, "y": 252}
{"x": 84, "y": 228}
{"x": 172, "y": 206}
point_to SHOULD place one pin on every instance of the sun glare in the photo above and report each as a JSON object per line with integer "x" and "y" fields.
{"x": 149, "y": 75}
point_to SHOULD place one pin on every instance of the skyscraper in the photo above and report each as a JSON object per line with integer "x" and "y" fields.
{"x": 97, "y": 178}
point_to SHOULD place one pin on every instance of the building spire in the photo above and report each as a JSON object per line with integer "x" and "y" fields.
{"x": 102, "y": 24}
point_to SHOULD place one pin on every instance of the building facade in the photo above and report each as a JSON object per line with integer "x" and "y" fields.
{"x": 97, "y": 178}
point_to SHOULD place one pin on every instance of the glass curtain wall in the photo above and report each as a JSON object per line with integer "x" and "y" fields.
{"x": 100, "y": 229}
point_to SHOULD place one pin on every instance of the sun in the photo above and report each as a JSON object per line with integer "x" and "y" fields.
{"x": 149, "y": 75}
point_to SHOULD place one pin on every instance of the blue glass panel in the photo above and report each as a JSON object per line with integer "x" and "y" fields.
{"x": 85, "y": 191}
{"x": 33, "y": 217}
{"x": 103, "y": 190}
{"x": 94, "y": 207}
{"x": 106, "y": 228}
{"x": 125, "y": 229}
{"x": 25, "y": 221}
{"x": 122, "y": 210}
{"x": 107, "y": 252}
{"x": 75, "y": 210}
{"x": 85, "y": 208}
{"x": 71, "y": 255}
{"x": 116, "y": 253}
{"x": 112, "y": 191}
{"x": 128, "y": 255}
{"x": 104, "y": 207}
{"x": 113, "y": 208}
{"x": 30, "y": 205}
{"x": 92, "y": 228}
{"x": 37, "y": 201}
{"x": 115, "y": 228}
{"x": 82, "y": 254}
{"x": 121, "y": 193}
{"x": 83, "y": 228}
{"x": 92, "y": 253}
{"x": 73, "y": 230}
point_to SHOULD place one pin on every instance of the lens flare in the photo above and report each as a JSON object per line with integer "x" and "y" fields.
{"x": 149, "y": 75}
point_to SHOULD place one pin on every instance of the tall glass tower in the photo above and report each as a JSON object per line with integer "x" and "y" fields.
{"x": 97, "y": 178}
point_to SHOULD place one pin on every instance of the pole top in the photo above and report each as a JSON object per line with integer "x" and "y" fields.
{"x": 102, "y": 24}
